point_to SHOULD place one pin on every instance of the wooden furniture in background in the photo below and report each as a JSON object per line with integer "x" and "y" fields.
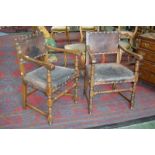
{"x": 13, "y": 29}
{"x": 60, "y": 29}
{"x": 50, "y": 41}
{"x": 127, "y": 37}
{"x": 84, "y": 29}
{"x": 47, "y": 78}
{"x": 147, "y": 50}
{"x": 115, "y": 73}
{"x": 82, "y": 48}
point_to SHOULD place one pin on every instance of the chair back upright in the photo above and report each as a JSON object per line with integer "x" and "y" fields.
{"x": 30, "y": 46}
{"x": 103, "y": 43}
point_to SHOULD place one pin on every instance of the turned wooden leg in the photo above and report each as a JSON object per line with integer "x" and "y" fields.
{"x": 49, "y": 95}
{"x": 85, "y": 83}
{"x": 134, "y": 84}
{"x": 90, "y": 101}
{"x": 65, "y": 59}
{"x": 76, "y": 91}
{"x": 49, "y": 102}
{"x": 114, "y": 86}
{"x": 24, "y": 94}
{"x": 133, "y": 95}
{"x": 85, "y": 88}
{"x": 91, "y": 91}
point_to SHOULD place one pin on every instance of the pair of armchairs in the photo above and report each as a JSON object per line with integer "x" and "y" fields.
{"x": 50, "y": 79}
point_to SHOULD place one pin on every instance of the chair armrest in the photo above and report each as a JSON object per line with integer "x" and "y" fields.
{"x": 137, "y": 56}
{"x": 75, "y": 52}
{"x": 49, "y": 66}
{"x": 40, "y": 56}
{"x": 91, "y": 56}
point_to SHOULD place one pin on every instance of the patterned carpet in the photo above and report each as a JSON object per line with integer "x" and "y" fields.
{"x": 108, "y": 109}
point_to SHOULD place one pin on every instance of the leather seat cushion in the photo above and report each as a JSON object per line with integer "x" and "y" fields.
{"x": 38, "y": 78}
{"x": 111, "y": 72}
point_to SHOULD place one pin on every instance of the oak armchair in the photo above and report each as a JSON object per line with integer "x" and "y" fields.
{"x": 48, "y": 78}
{"x": 108, "y": 73}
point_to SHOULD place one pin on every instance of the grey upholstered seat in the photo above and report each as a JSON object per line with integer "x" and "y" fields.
{"x": 111, "y": 72}
{"x": 38, "y": 77}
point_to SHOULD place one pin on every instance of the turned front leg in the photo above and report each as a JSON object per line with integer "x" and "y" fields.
{"x": 49, "y": 95}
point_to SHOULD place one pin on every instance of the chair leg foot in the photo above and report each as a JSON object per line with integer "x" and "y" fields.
{"x": 131, "y": 107}
{"x": 132, "y": 101}
{"x": 90, "y": 107}
{"x": 24, "y": 93}
{"x": 90, "y": 112}
{"x": 49, "y": 117}
{"x": 75, "y": 101}
{"x": 91, "y": 95}
{"x": 133, "y": 95}
{"x": 50, "y": 121}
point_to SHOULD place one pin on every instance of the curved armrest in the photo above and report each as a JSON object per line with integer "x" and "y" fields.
{"x": 75, "y": 52}
{"x": 49, "y": 66}
{"x": 137, "y": 56}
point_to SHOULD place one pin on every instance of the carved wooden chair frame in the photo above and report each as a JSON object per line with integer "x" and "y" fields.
{"x": 90, "y": 83}
{"x": 42, "y": 60}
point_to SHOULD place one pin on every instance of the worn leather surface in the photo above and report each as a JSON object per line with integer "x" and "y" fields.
{"x": 38, "y": 77}
{"x": 32, "y": 47}
{"x": 102, "y": 42}
{"x": 111, "y": 72}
